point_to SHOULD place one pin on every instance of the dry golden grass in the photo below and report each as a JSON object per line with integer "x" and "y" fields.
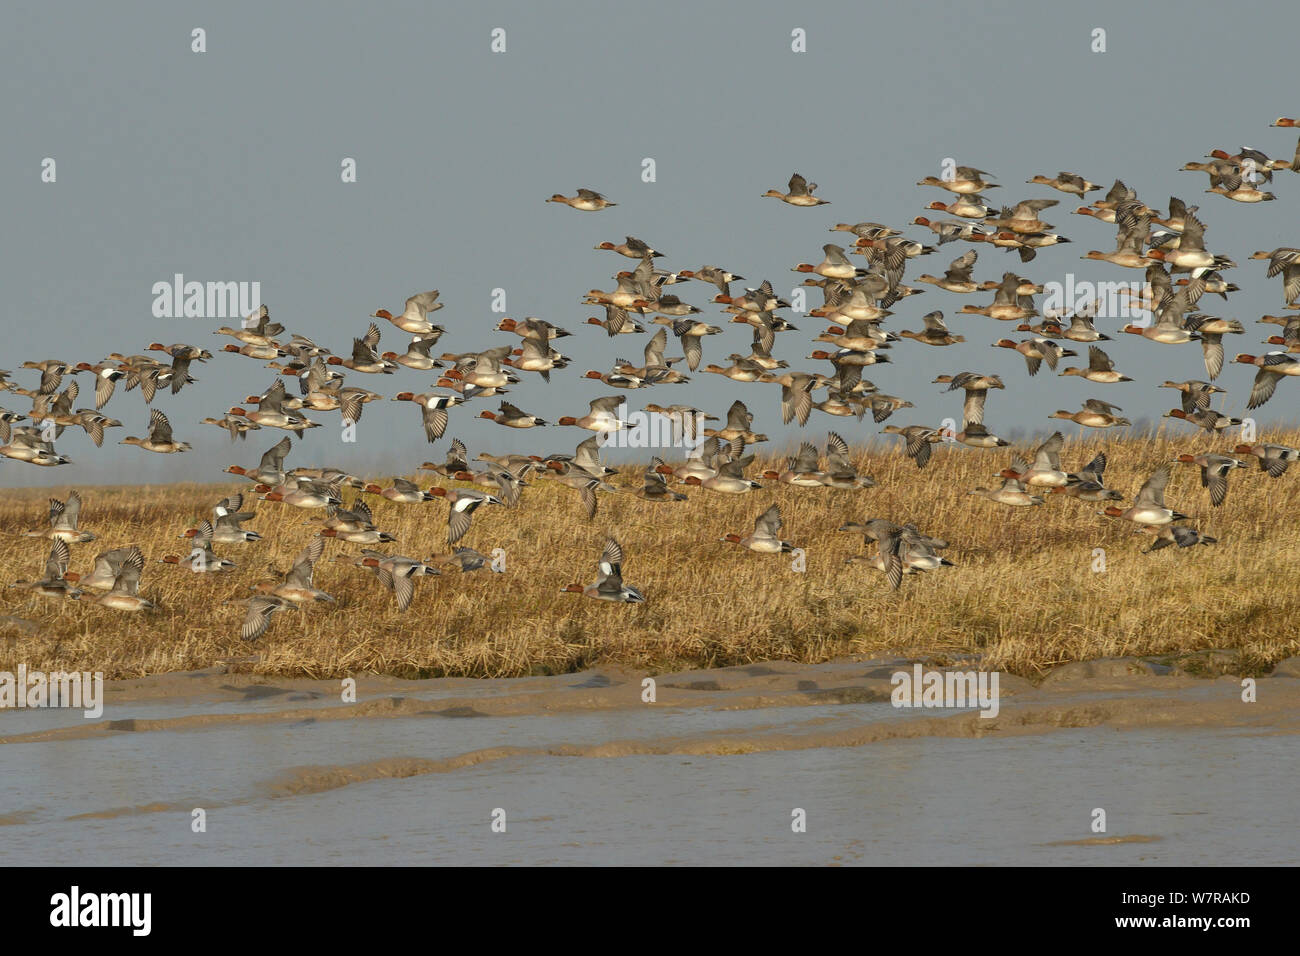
{"x": 1023, "y": 593}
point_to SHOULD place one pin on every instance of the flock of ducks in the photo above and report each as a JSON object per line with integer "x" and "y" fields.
{"x": 1171, "y": 250}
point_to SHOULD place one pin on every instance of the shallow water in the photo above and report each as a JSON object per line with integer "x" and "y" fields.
{"x": 586, "y": 774}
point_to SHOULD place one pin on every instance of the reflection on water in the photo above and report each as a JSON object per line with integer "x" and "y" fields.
{"x": 1200, "y": 795}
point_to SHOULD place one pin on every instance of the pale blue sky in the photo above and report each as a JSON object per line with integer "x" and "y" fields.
{"x": 225, "y": 166}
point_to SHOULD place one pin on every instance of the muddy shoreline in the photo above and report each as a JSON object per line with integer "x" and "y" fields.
{"x": 589, "y": 771}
